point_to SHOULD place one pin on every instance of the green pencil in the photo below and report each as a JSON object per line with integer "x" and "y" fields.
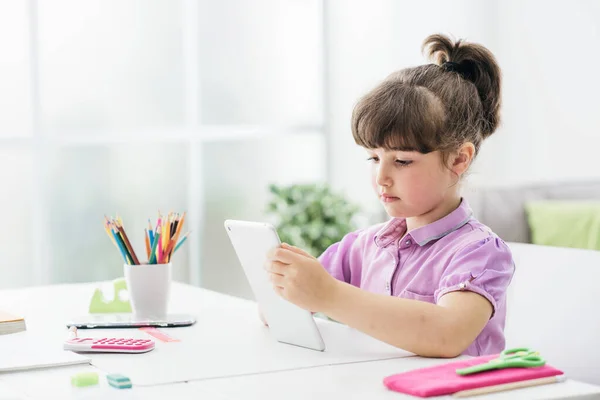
{"x": 152, "y": 259}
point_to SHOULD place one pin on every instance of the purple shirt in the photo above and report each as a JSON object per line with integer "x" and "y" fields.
{"x": 454, "y": 253}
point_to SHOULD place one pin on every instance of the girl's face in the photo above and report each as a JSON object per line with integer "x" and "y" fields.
{"x": 411, "y": 184}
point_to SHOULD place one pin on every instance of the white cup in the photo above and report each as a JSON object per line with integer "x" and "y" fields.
{"x": 149, "y": 286}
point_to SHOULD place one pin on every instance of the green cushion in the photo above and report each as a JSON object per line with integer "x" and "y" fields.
{"x": 565, "y": 223}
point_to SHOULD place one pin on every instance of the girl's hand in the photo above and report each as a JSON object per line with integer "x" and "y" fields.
{"x": 299, "y": 278}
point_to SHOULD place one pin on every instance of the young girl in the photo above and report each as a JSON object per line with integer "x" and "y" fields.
{"x": 433, "y": 279}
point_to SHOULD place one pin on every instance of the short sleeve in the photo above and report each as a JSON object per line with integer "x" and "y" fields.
{"x": 343, "y": 259}
{"x": 485, "y": 267}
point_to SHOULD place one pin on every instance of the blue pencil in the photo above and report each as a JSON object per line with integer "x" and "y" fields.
{"x": 151, "y": 234}
{"x": 152, "y": 259}
{"x": 121, "y": 247}
{"x": 180, "y": 242}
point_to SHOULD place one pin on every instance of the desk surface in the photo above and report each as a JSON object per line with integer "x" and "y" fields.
{"x": 227, "y": 354}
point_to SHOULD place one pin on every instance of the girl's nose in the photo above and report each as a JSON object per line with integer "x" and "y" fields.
{"x": 382, "y": 177}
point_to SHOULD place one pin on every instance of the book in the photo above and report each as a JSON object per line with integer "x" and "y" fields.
{"x": 10, "y": 323}
{"x": 27, "y": 350}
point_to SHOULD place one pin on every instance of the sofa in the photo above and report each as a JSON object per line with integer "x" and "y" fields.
{"x": 503, "y": 208}
{"x": 552, "y": 307}
{"x": 552, "y": 297}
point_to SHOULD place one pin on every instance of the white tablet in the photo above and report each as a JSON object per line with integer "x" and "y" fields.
{"x": 288, "y": 323}
{"x": 119, "y": 320}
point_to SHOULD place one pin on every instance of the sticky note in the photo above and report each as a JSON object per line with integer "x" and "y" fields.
{"x": 119, "y": 381}
{"x": 84, "y": 379}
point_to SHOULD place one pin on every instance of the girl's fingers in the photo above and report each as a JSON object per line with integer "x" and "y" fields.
{"x": 296, "y": 250}
{"x": 283, "y": 255}
{"x": 275, "y": 267}
{"x": 276, "y": 280}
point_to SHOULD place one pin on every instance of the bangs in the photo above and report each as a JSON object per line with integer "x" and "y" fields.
{"x": 398, "y": 116}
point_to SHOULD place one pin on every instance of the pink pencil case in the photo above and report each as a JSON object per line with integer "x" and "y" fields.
{"x": 443, "y": 379}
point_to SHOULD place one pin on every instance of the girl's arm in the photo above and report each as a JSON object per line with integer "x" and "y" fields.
{"x": 442, "y": 330}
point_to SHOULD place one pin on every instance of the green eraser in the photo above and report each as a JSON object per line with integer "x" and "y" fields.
{"x": 84, "y": 379}
{"x": 119, "y": 381}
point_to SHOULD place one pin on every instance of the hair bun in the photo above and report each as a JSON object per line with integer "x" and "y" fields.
{"x": 474, "y": 63}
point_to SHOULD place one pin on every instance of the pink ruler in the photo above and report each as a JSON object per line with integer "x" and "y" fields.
{"x": 163, "y": 337}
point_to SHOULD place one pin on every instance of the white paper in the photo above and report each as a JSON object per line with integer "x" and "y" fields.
{"x": 238, "y": 345}
{"x": 23, "y": 351}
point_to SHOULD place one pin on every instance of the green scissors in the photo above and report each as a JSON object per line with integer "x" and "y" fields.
{"x": 514, "y": 358}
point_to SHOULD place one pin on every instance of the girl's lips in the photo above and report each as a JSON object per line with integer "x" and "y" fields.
{"x": 388, "y": 199}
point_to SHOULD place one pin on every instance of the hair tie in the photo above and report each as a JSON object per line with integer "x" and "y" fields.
{"x": 451, "y": 67}
{"x": 464, "y": 70}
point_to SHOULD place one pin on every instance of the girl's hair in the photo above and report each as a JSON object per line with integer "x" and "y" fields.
{"x": 436, "y": 106}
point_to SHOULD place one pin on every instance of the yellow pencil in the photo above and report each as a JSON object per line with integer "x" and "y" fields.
{"x": 163, "y": 235}
{"x": 110, "y": 235}
{"x": 147, "y": 241}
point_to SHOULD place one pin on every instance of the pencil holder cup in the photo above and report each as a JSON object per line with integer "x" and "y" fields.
{"x": 149, "y": 286}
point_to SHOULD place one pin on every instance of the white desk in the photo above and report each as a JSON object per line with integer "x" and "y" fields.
{"x": 226, "y": 355}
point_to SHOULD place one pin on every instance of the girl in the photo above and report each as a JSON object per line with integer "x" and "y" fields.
{"x": 433, "y": 279}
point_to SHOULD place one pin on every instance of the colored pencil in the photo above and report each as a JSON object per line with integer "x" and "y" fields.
{"x": 128, "y": 244}
{"x": 121, "y": 248}
{"x": 160, "y": 243}
{"x": 109, "y": 233}
{"x": 152, "y": 259}
{"x": 176, "y": 236}
{"x": 509, "y": 386}
{"x": 147, "y": 242}
{"x": 174, "y": 225}
{"x": 121, "y": 241}
{"x": 150, "y": 232}
{"x": 181, "y": 242}
{"x": 159, "y": 250}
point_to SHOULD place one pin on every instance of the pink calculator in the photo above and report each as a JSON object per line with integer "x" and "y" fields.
{"x": 109, "y": 345}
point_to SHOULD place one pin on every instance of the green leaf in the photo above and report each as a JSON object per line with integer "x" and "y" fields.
{"x": 310, "y": 216}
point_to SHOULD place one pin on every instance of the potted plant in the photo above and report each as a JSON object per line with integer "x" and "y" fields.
{"x": 310, "y": 216}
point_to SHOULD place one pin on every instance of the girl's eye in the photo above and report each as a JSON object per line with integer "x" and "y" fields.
{"x": 373, "y": 159}
{"x": 403, "y": 163}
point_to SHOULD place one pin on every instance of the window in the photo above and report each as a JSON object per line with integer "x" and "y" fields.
{"x": 130, "y": 107}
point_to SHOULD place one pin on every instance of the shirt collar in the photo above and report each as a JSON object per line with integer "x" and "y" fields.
{"x": 396, "y": 227}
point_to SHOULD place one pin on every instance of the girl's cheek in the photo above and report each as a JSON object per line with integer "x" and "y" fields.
{"x": 374, "y": 182}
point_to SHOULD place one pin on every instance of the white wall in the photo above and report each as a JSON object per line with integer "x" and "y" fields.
{"x": 547, "y": 53}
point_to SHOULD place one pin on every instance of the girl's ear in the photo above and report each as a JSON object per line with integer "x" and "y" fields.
{"x": 462, "y": 158}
